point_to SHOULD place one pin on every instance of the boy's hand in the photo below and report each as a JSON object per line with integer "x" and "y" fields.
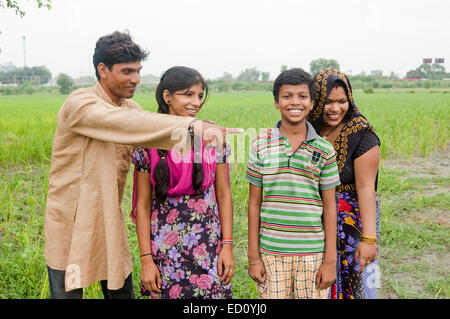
{"x": 257, "y": 272}
{"x": 225, "y": 264}
{"x": 326, "y": 275}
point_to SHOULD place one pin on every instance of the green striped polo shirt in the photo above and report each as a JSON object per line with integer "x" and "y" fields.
{"x": 291, "y": 211}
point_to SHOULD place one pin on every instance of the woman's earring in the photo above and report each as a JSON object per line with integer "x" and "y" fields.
{"x": 168, "y": 102}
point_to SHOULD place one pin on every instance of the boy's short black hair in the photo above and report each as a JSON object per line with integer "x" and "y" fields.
{"x": 117, "y": 47}
{"x": 294, "y": 76}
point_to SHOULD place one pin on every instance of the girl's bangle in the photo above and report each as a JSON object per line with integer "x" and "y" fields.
{"x": 228, "y": 242}
{"x": 143, "y": 255}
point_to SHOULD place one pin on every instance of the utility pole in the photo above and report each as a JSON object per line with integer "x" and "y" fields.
{"x": 24, "y": 53}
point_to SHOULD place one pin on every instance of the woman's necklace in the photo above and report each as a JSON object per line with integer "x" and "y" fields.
{"x": 334, "y": 129}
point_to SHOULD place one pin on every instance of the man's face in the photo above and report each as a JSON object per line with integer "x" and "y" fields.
{"x": 121, "y": 81}
{"x": 294, "y": 103}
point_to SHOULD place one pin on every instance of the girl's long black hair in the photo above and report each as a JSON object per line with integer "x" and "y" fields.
{"x": 176, "y": 79}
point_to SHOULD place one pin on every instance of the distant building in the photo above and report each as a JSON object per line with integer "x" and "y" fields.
{"x": 7, "y": 67}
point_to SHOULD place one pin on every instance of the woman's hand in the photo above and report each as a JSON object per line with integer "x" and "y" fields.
{"x": 366, "y": 253}
{"x": 366, "y": 168}
{"x": 225, "y": 264}
{"x": 150, "y": 276}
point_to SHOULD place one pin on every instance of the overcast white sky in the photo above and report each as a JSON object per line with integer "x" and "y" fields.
{"x": 214, "y": 36}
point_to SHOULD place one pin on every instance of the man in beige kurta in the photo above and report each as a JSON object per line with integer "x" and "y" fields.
{"x": 84, "y": 225}
{"x": 85, "y": 231}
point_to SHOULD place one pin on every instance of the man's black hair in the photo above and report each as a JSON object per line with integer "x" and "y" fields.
{"x": 117, "y": 47}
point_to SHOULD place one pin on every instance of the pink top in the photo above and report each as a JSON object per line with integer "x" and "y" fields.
{"x": 180, "y": 170}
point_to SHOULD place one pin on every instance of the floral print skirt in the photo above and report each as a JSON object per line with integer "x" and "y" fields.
{"x": 350, "y": 284}
{"x": 186, "y": 242}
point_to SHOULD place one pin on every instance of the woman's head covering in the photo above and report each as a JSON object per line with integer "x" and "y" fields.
{"x": 324, "y": 81}
{"x": 355, "y": 122}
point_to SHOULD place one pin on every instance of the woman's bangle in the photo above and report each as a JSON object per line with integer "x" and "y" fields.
{"x": 143, "y": 255}
{"x": 368, "y": 239}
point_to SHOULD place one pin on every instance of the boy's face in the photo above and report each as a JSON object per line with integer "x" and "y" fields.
{"x": 294, "y": 103}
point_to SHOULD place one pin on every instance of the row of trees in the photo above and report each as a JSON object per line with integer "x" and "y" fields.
{"x": 255, "y": 75}
{"x": 425, "y": 71}
{"x": 37, "y": 75}
{"x": 28, "y": 80}
{"x": 433, "y": 71}
{"x": 254, "y": 79}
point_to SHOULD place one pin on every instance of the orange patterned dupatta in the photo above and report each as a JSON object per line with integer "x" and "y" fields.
{"x": 356, "y": 123}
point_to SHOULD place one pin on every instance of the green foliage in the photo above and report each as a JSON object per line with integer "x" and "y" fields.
{"x": 14, "y": 5}
{"x": 221, "y": 85}
{"x": 65, "y": 83}
{"x": 249, "y": 75}
{"x": 265, "y": 76}
{"x": 363, "y": 81}
{"x": 37, "y": 75}
{"x": 145, "y": 88}
{"x": 28, "y": 88}
{"x": 368, "y": 90}
{"x": 319, "y": 64}
{"x": 428, "y": 71}
{"x": 86, "y": 80}
{"x": 407, "y": 125}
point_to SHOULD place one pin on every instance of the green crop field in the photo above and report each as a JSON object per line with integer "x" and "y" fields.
{"x": 413, "y": 188}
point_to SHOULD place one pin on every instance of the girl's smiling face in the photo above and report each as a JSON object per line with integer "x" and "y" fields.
{"x": 185, "y": 102}
{"x": 336, "y": 106}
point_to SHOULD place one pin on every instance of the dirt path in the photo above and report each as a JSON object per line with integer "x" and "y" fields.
{"x": 437, "y": 165}
{"x": 421, "y": 272}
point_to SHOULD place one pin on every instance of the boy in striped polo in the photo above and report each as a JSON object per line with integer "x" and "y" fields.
{"x": 292, "y": 176}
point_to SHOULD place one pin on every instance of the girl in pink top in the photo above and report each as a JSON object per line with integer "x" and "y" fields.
{"x": 182, "y": 205}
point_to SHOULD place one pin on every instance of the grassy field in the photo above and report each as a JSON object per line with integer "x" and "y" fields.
{"x": 413, "y": 188}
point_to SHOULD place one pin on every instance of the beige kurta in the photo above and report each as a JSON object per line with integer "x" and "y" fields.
{"x": 85, "y": 229}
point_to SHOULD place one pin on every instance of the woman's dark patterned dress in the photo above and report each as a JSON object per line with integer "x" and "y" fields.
{"x": 185, "y": 243}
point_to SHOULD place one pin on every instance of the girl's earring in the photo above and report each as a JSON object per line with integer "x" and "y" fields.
{"x": 168, "y": 102}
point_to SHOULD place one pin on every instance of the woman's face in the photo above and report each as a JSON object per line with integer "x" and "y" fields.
{"x": 185, "y": 102}
{"x": 336, "y": 106}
